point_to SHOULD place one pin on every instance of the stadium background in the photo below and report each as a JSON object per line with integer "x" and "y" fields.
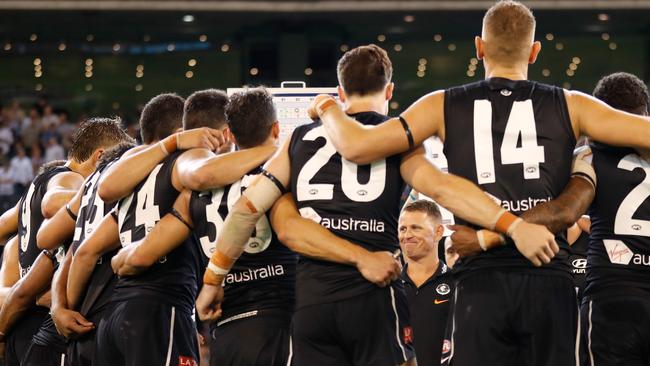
{"x": 108, "y": 57}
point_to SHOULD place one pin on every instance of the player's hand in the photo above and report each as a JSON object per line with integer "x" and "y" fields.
{"x": 464, "y": 241}
{"x": 208, "y": 303}
{"x": 535, "y": 242}
{"x": 71, "y": 324}
{"x": 311, "y": 110}
{"x": 203, "y": 137}
{"x": 380, "y": 268}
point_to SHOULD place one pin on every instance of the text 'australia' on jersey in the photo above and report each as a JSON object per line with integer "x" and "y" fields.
{"x": 515, "y": 140}
{"x": 30, "y": 217}
{"x": 358, "y": 203}
{"x": 173, "y": 278}
{"x": 263, "y": 277}
{"x": 619, "y": 249}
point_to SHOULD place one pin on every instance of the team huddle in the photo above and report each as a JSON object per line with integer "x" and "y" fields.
{"x": 209, "y": 232}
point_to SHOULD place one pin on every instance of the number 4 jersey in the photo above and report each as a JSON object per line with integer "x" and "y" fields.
{"x": 263, "y": 278}
{"x": 359, "y": 203}
{"x": 619, "y": 249}
{"x": 514, "y": 139}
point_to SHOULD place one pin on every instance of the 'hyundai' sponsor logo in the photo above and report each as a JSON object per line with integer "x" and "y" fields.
{"x": 579, "y": 263}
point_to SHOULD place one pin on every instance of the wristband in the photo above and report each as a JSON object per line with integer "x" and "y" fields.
{"x": 407, "y": 130}
{"x": 481, "y": 239}
{"x": 50, "y": 255}
{"x": 169, "y": 144}
{"x": 218, "y": 267}
{"x": 69, "y": 211}
{"x": 323, "y": 106}
{"x": 506, "y": 222}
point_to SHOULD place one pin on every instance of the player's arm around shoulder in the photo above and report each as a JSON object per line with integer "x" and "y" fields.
{"x": 10, "y": 269}
{"x": 9, "y": 222}
{"x": 60, "y": 189}
{"x": 60, "y": 227}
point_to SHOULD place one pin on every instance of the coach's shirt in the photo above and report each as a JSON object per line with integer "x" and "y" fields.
{"x": 618, "y": 259}
{"x": 514, "y": 139}
{"x": 263, "y": 278}
{"x": 429, "y": 308}
{"x": 357, "y": 203}
{"x": 173, "y": 278}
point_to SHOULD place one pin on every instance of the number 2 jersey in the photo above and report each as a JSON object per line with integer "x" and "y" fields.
{"x": 173, "y": 278}
{"x": 514, "y": 139}
{"x": 263, "y": 278}
{"x": 618, "y": 258}
{"x": 360, "y": 203}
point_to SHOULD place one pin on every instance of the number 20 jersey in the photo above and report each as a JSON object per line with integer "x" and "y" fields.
{"x": 358, "y": 203}
{"x": 514, "y": 139}
{"x": 263, "y": 278}
{"x": 618, "y": 258}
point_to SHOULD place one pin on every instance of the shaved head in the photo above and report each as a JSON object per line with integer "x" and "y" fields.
{"x": 508, "y": 32}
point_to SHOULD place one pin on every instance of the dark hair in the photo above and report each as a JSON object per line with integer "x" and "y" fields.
{"x": 96, "y": 133}
{"x": 115, "y": 153}
{"x": 50, "y": 165}
{"x": 364, "y": 70}
{"x": 623, "y": 91}
{"x": 428, "y": 207}
{"x": 508, "y": 31}
{"x": 160, "y": 117}
{"x": 205, "y": 108}
{"x": 251, "y": 115}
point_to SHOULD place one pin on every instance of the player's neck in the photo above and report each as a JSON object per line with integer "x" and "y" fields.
{"x": 85, "y": 169}
{"x": 420, "y": 270}
{"x": 506, "y": 72}
{"x": 366, "y": 104}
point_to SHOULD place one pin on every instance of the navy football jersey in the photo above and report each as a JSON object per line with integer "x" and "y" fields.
{"x": 578, "y": 261}
{"x": 172, "y": 279}
{"x": 514, "y": 139}
{"x": 30, "y": 217}
{"x": 263, "y": 278}
{"x": 618, "y": 258}
{"x": 360, "y": 203}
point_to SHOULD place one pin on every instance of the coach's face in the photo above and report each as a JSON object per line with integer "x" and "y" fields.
{"x": 418, "y": 234}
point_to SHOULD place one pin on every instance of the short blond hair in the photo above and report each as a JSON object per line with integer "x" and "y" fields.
{"x": 508, "y": 31}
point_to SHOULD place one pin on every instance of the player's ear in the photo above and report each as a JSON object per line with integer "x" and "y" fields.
{"x": 97, "y": 155}
{"x": 480, "y": 47}
{"x": 534, "y": 51}
{"x": 389, "y": 90}
{"x": 341, "y": 93}
{"x": 440, "y": 231}
{"x": 228, "y": 134}
{"x": 275, "y": 129}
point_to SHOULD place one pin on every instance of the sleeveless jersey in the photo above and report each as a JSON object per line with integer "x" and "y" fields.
{"x": 514, "y": 139}
{"x": 618, "y": 258}
{"x": 172, "y": 279}
{"x": 263, "y": 278}
{"x": 360, "y": 203}
{"x": 578, "y": 261}
{"x": 30, "y": 217}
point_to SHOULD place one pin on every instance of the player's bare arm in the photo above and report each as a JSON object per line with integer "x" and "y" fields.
{"x": 9, "y": 222}
{"x": 102, "y": 240}
{"x": 122, "y": 177}
{"x": 10, "y": 269}
{"x": 363, "y": 144}
{"x": 60, "y": 190}
{"x": 310, "y": 239}
{"x": 200, "y": 169}
{"x": 467, "y": 201}
{"x": 167, "y": 234}
{"x": 602, "y": 123}
{"x": 68, "y": 323}
{"x": 60, "y": 227}
{"x": 24, "y": 293}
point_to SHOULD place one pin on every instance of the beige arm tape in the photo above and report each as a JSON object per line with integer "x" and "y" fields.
{"x": 582, "y": 165}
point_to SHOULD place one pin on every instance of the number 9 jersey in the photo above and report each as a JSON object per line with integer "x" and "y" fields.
{"x": 516, "y": 142}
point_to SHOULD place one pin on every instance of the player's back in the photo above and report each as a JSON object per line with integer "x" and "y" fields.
{"x": 263, "y": 278}
{"x": 358, "y": 203}
{"x": 619, "y": 250}
{"x": 514, "y": 139}
{"x": 172, "y": 279}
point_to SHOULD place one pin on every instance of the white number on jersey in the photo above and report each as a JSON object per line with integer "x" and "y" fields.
{"x": 87, "y": 225}
{"x": 27, "y": 218}
{"x": 146, "y": 212}
{"x": 520, "y": 125}
{"x": 263, "y": 233}
{"x": 307, "y": 191}
{"x": 624, "y": 224}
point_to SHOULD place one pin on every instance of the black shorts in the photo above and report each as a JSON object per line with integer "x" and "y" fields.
{"x": 513, "y": 318}
{"x": 616, "y": 331}
{"x": 38, "y": 355}
{"x": 366, "y": 330}
{"x": 20, "y": 338}
{"x": 260, "y": 340}
{"x": 146, "y": 332}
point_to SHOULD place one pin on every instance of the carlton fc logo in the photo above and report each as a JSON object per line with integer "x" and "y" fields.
{"x": 443, "y": 289}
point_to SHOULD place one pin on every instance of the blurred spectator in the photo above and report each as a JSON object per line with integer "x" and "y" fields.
{"x": 22, "y": 171}
{"x": 54, "y": 151}
{"x": 7, "y": 199}
{"x": 66, "y": 128}
{"x": 6, "y": 137}
{"x": 37, "y": 157}
{"x": 31, "y": 128}
{"x": 48, "y": 133}
{"x": 50, "y": 119}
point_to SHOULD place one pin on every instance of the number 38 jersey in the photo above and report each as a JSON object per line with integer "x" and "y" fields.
{"x": 514, "y": 139}
{"x": 263, "y": 278}
{"x": 358, "y": 203}
{"x": 172, "y": 279}
{"x": 618, "y": 257}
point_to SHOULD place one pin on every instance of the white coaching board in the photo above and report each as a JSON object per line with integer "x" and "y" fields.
{"x": 291, "y": 104}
